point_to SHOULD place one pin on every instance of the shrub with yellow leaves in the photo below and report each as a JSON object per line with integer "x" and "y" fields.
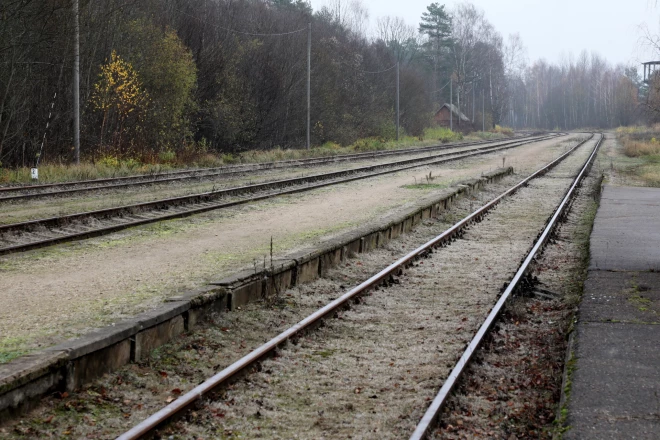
{"x": 119, "y": 95}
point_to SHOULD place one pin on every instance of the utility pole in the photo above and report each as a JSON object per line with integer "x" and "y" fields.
{"x": 397, "y": 101}
{"x": 473, "y": 105}
{"x": 76, "y": 83}
{"x": 451, "y": 104}
{"x": 309, "y": 82}
{"x": 483, "y": 111}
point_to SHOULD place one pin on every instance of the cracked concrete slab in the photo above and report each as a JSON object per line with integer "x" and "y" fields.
{"x": 617, "y": 382}
{"x": 615, "y": 390}
{"x": 627, "y": 230}
{"x": 621, "y": 297}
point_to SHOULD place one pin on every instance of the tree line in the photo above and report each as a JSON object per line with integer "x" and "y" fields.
{"x": 175, "y": 77}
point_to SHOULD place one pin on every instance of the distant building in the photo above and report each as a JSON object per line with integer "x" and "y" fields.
{"x": 460, "y": 121}
{"x": 651, "y": 68}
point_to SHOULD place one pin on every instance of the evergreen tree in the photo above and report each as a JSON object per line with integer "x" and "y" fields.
{"x": 436, "y": 25}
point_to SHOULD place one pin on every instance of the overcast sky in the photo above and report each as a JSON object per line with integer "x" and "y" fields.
{"x": 552, "y": 29}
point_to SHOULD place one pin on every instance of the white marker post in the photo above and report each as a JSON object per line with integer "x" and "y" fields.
{"x": 34, "y": 172}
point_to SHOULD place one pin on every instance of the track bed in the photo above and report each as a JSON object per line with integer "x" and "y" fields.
{"x": 371, "y": 373}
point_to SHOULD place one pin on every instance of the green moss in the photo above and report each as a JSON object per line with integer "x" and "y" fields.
{"x": 6, "y": 356}
{"x": 560, "y": 421}
{"x": 12, "y": 348}
{"x": 643, "y": 304}
{"x": 325, "y": 353}
{"x": 426, "y": 186}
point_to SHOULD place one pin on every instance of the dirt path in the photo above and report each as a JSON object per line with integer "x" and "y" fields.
{"x": 50, "y": 295}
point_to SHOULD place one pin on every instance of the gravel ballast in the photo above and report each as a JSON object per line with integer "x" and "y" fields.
{"x": 67, "y": 290}
{"x": 396, "y": 346}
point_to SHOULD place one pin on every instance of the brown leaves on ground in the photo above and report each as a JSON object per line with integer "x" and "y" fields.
{"x": 512, "y": 388}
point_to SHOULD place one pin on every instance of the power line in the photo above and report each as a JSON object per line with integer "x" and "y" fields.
{"x": 379, "y": 71}
{"x": 30, "y": 62}
{"x": 395, "y": 66}
{"x": 251, "y": 34}
{"x": 308, "y": 29}
{"x": 441, "y": 88}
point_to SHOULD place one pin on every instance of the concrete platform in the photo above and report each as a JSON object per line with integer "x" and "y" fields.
{"x": 616, "y": 382}
{"x": 626, "y": 232}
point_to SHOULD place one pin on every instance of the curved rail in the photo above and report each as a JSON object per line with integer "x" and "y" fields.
{"x": 178, "y": 207}
{"x": 434, "y": 409}
{"x": 188, "y": 399}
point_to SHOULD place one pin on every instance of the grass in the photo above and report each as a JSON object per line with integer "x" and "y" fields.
{"x": 425, "y": 186}
{"x": 560, "y": 422}
{"x": 507, "y": 131}
{"x": 431, "y": 136}
{"x": 634, "y": 148}
{"x": 144, "y": 295}
{"x": 643, "y": 304}
{"x": 642, "y": 146}
{"x": 12, "y": 348}
{"x": 111, "y": 166}
{"x": 8, "y": 355}
{"x": 59, "y": 172}
{"x": 581, "y": 237}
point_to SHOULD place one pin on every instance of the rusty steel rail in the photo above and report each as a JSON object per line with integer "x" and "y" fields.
{"x": 166, "y": 204}
{"x": 185, "y": 401}
{"x": 204, "y": 173}
{"x": 434, "y": 409}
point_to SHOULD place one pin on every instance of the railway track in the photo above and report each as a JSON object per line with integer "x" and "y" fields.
{"x": 413, "y": 269}
{"x": 17, "y": 237}
{"x": 26, "y": 192}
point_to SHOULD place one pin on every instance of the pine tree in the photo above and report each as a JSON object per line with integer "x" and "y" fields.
{"x": 436, "y": 25}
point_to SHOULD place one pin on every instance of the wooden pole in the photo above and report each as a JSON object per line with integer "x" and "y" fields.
{"x": 76, "y": 83}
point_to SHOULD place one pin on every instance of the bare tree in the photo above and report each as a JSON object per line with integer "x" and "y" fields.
{"x": 350, "y": 14}
{"x": 400, "y": 37}
{"x": 476, "y": 54}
